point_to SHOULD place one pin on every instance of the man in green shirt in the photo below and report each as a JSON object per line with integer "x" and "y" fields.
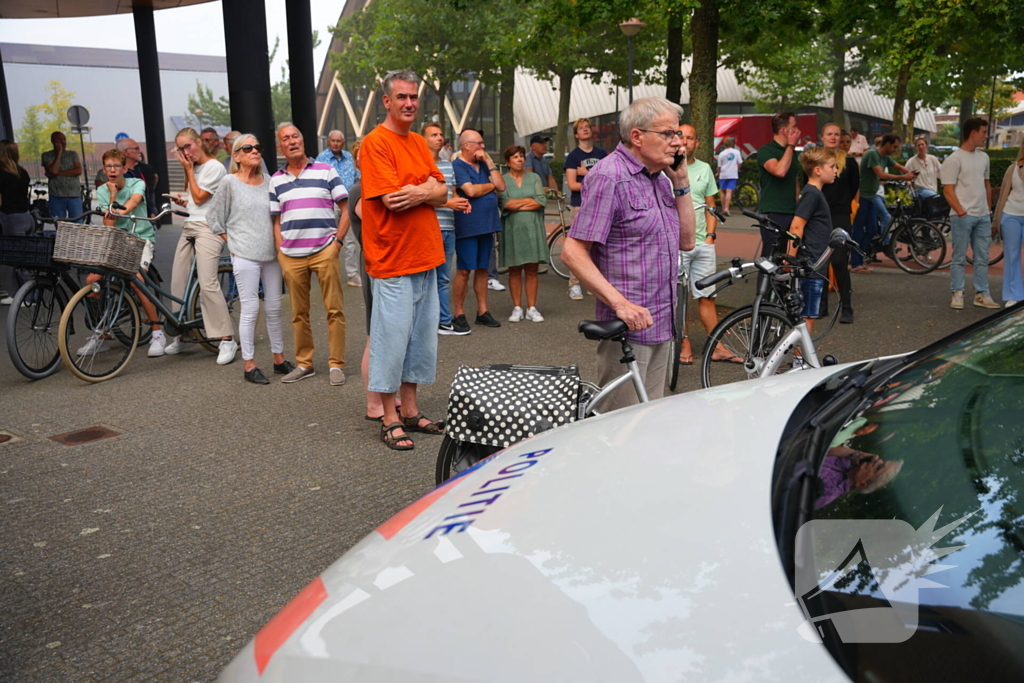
{"x": 872, "y": 205}
{"x": 777, "y": 168}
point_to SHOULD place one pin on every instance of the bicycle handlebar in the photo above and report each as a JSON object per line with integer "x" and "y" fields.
{"x": 713, "y": 210}
{"x": 163, "y": 212}
{"x": 706, "y": 282}
{"x": 50, "y": 219}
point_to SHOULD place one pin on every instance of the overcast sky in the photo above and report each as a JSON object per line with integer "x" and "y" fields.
{"x": 197, "y": 30}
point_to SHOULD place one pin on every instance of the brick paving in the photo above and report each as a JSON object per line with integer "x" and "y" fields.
{"x": 157, "y": 554}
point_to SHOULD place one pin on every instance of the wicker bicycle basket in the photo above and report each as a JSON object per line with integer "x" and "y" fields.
{"x": 99, "y": 246}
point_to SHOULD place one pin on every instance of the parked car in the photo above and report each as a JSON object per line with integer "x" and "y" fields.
{"x": 765, "y": 530}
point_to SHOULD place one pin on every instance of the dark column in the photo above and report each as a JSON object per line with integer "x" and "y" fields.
{"x": 245, "y": 41}
{"x": 152, "y": 97}
{"x": 6, "y": 128}
{"x": 300, "y": 64}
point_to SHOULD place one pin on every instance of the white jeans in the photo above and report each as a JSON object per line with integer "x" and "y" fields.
{"x": 247, "y": 278}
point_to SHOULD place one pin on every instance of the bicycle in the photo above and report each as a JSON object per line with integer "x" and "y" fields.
{"x": 34, "y": 315}
{"x": 556, "y": 239}
{"x": 767, "y": 334}
{"x": 454, "y": 457}
{"x": 746, "y": 196}
{"x": 100, "y": 311}
{"x": 915, "y": 244}
{"x": 995, "y": 249}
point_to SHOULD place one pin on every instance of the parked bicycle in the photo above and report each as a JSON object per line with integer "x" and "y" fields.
{"x": 556, "y": 240}
{"x": 915, "y": 244}
{"x": 746, "y": 196}
{"x": 768, "y": 336}
{"x": 101, "y": 313}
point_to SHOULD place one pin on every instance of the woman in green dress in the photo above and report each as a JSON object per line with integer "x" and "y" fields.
{"x": 521, "y": 243}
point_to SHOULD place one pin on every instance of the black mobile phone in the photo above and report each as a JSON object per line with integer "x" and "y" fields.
{"x": 678, "y": 161}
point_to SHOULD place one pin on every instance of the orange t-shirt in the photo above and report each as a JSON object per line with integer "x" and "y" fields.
{"x": 402, "y": 242}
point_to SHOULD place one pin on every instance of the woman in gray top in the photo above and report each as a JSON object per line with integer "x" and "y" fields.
{"x": 240, "y": 213}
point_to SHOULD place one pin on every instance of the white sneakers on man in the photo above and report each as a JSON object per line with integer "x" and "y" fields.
{"x": 533, "y": 315}
{"x": 228, "y": 349}
{"x": 495, "y": 286}
{"x": 517, "y": 315}
{"x": 576, "y": 293}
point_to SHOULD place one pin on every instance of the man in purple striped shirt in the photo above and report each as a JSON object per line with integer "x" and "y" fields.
{"x": 623, "y": 245}
{"x": 309, "y": 238}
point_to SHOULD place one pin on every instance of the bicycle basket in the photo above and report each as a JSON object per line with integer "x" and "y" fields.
{"x": 499, "y": 405}
{"x": 98, "y": 245}
{"x": 26, "y": 252}
{"x": 932, "y": 208}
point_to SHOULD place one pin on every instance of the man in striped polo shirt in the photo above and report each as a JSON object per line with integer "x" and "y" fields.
{"x": 309, "y": 238}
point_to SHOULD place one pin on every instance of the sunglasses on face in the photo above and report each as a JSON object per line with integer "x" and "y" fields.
{"x": 248, "y": 148}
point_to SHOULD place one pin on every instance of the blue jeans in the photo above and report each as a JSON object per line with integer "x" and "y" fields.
{"x": 976, "y": 231}
{"x": 66, "y": 207}
{"x": 863, "y": 230}
{"x": 1012, "y": 228}
{"x": 403, "y": 331}
{"x": 444, "y": 277}
{"x": 882, "y": 212}
{"x": 925, "y": 193}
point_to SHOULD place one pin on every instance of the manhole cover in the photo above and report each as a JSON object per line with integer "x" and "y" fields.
{"x": 87, "y": 435}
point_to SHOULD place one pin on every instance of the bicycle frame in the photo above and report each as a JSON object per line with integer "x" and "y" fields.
{"x": 632, "y": 376}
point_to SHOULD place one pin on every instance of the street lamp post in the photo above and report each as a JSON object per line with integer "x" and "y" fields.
{"x": 631, "y": 28}
{"x": 199, "y": 116}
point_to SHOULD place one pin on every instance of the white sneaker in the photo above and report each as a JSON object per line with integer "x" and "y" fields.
{"x": 1009, "y": 303}
{"x": 576, "y": 293}
{"x": 517, "y": 315}
{"x": 494, "y": 285}
{"x": 228, "y": 349}
{"x": 93, "y": 346}
{"x": 8, "y": 300}
{"x": 533, "y": 315}
{"x": 174, "y": 348}
{"x": 957, "y": 300}
{"x": 158, "y": 346}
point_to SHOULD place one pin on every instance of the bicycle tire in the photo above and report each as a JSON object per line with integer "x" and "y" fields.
{"x": 33, "y": 321}
{"x": 555, "y": 243}
{"x": 734, "y": 333}
{"x": 918, "y": 247}
{"x": 455, "y": 457}
{"x": 194, "y": 311}
{"x": 86, "y": 319}
{"x": 746, "y": 196}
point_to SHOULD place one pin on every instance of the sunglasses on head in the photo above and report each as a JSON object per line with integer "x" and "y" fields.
{"x": 249, "y": 148}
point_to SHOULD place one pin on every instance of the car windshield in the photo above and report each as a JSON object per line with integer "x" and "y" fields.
{"x": 939, "y": 445}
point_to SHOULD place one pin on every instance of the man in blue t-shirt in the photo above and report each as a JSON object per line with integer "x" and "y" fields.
{"x": 476, "y": 178}
{"x": 577, "y": 164}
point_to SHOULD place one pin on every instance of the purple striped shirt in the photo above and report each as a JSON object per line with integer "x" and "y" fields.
{"x": 306, "y": 205}
{"x": 631, "y": 218}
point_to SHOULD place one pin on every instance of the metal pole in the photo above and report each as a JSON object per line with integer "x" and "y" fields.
{"x": 152, "y": 97}
{"x": 991, "y": 106}
{"x": 85, "y": 167}
{"x": 6, "y": 128}
{"x": 630, "y": 40}
{"x": 245, "y": 43}
{"x": 301, "y": 74}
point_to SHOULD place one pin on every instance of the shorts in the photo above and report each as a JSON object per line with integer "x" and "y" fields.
{"x": 727, "y": 183}
{"x": 699, "y": 264}
{"x": 147, "y": 256}
{"x": 812, "y": 289}
{"x": 473, "y": 253}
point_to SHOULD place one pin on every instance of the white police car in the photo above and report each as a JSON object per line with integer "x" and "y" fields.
{"x": 784, "y": 529}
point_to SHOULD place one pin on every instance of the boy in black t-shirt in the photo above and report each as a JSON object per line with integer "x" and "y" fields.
{"x": 813, "y": 223}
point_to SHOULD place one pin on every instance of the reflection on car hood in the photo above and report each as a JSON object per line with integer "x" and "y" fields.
{"x": 633, "y": 546}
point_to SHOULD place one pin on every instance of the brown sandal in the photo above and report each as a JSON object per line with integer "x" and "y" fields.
{"x": 387, "y": 435}
{"x": 412, "y": 424}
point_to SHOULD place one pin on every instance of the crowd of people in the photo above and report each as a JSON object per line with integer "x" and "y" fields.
{"x": 400, "y": 209}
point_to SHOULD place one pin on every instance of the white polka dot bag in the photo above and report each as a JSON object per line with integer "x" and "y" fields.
{"x": 499, "y": 405}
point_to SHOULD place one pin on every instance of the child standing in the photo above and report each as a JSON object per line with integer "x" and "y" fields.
{"x": 812, "y": 223}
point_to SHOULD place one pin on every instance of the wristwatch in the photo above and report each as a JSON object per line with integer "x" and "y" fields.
{"x": 342, "y": 243}
{"x": 492, "y": 169}
{"x": 712, "y": 235}
{"x": 682, "y": 191}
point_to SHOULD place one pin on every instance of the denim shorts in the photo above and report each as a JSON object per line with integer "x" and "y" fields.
{"x": 474, "y": 253}
{"x": 403, "y": 331}
{"x": 727, "y": 183}
{"x": 812, "y": 288}
{"x": 698, "y": 264}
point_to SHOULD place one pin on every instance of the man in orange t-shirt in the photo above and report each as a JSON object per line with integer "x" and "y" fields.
{"x": 402, "y": 246}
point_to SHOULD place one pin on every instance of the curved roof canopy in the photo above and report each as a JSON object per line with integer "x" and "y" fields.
{"x": 41, "y": 9}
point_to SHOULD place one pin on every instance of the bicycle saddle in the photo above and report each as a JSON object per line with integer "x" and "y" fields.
{"x": 598, "y": 330}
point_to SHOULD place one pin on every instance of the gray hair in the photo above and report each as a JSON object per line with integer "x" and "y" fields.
{"x": 342, "y": 134}
{"x": 287, "y": 124}
{"x": 405, "y": 75}
{"x": 122, "y": 144}
{"x": 237, "y": 146}
{"x": 641, "y": 114}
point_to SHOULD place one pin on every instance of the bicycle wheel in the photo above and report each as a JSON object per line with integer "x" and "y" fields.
{"x": 735, "y": 332}
{"x": 193, "y": 310}
{"x": 555, "y": 243}
{"x": 918, "y": 247}
{"x": 746, "y": 196}
{"x": 97, "y": 315}
{"x": 681, "y": 329}
{"x": 456, "y": 457}
{"x": 33, "y": 321}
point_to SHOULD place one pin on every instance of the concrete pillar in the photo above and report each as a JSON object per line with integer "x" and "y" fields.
{"x": 248, "y": 60}
{"x": 302, "y": 76}
{"x": 6, "y": 128}
{"x": 152, "y": 97}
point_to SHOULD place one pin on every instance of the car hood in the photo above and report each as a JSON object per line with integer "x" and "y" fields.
{"x": 633, "y": 546}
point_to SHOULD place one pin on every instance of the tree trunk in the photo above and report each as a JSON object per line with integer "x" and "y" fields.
{"x": 966, "y": 109}
{"x": 442, "y": 93}
{"x": 506, "y": 112}
{"x": 564, "y": 99}
{"x": 912, "y": 117}
{"x": 902, "y": 81}
{"x": 674, "y": 59}
{"x": 839, "y": 84}
{"x": 704, "y": 76}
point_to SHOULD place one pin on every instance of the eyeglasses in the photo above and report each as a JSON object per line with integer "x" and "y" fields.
{"x": 666, "y": 135}
{"x": 112, "y": 167}
{"x": 248, "y": 148}
{"x": 475, "y": 142}
{"x": 131, "y": 148}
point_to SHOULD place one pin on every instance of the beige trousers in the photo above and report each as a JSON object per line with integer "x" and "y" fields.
{"x": 216, "y": 319}
{"x": 653, "y": 362}
{"x": 298, "y": 273}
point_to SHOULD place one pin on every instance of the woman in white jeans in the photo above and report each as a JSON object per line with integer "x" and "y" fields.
{"x": 240, "y": 213}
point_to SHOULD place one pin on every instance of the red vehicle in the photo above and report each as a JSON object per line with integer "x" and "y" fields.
{"x": 754, "y": 130}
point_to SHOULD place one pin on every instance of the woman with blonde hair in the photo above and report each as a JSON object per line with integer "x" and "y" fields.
{"x": 1009, "y": 217}
{"x": 203, "y": 174}
{"x": 14, "y": 202}
{"x": 240, "y": 213}
{"x": 840, "y": 196}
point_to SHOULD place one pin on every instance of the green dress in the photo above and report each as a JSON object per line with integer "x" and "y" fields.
{"x": 523, "y": 238}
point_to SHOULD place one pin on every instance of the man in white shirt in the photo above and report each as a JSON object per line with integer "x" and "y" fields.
{"x": 965, "y": 185}
{"x": 927, "y": 168}
{"x": 858, "y": 144}
{"x": 729, "y": 160}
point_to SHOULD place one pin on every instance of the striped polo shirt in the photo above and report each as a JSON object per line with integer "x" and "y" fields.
{"x": 306, "y": 206}
{"x": 446, "y": 216}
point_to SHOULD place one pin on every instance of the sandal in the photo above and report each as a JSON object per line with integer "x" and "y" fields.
{"x": 733, "y": 359}
{"x": 387, "y": 435}
{"x": 413, "y": 424}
